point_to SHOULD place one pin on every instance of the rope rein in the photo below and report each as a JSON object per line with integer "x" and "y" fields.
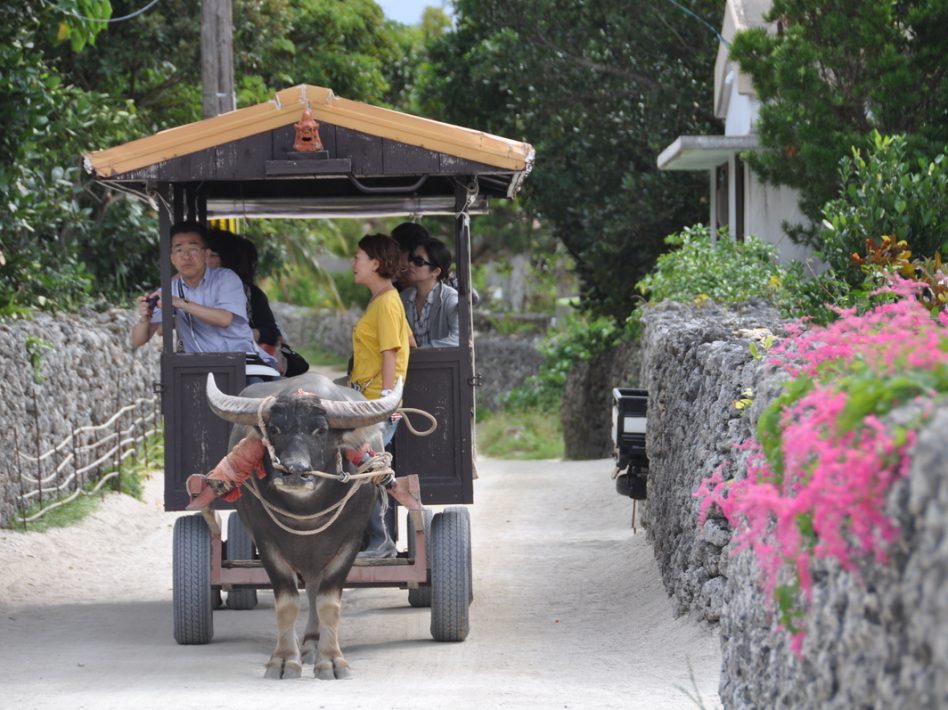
{"x": 411, "y": 410}
{"x": 378, "y": 467}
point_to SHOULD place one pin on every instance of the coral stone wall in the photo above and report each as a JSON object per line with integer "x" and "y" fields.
{"x": 87, "y": 370}
{"x": 503, "y": 362}
{"x": 876, "y": 638}
{"x": 695, "y": 363}
{"x": 586, "y": 414}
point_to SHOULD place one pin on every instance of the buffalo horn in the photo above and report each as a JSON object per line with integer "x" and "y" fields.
{"x": 351, "y": 415}
{"x": 238, "y": 410}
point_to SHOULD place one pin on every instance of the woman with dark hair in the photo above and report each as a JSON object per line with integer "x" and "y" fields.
{"x": 379, "y": 350}
{"x": 239, "y": 254}
{"x": 430, "y": 303}
{"x": 408, "y": 235}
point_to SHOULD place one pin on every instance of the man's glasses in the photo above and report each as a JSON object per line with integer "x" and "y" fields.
{"x": 187, "y": 251}
{"x": 418, "y": 261}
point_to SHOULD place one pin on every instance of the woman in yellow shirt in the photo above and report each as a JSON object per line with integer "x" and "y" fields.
{"x": 379, "y": 349}
{"x": 380, "y": 338}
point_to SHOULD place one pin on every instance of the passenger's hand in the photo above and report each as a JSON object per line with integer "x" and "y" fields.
{"x": 147, "y": 303}
{"x": 179, "y": 303}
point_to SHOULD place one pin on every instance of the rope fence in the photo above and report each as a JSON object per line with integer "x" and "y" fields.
{"x": 89, "y": 454}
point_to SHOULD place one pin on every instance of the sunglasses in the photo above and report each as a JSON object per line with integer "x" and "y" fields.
{"x": 418, "y": 261}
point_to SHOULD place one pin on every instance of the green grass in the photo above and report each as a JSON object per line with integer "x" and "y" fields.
{"x": 131, "y": 482}
{"x": 323, "y": 358}
{"x": 526, "y": 434}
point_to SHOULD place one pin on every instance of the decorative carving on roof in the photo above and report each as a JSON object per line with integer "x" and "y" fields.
{"x": 307, "y": 134}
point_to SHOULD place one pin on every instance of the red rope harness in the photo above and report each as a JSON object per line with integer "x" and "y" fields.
{"x": 235, "y": 468}
{"x": 227, "y": 477}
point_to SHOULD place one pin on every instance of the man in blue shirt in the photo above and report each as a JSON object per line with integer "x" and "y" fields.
{"x": 210, "y": 305}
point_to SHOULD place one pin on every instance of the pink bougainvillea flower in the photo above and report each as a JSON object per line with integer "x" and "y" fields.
{"x": 837, "y": 459}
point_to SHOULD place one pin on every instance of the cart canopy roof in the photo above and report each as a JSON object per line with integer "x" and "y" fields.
{"x": 375, "y": 161}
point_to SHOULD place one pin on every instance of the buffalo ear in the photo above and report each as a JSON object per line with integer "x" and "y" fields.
{"x": 372, "y": 435}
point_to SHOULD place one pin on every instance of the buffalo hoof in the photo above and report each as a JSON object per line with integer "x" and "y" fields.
{"x": 329, "y": 670}
{"x": 281, "y": 670}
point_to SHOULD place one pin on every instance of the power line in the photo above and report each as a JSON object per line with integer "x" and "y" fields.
{"x": 96, "y": 19}
{"x": 704, "y": 22}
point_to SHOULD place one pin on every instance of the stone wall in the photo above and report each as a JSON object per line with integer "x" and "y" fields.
{"x": 876, "y": 638}
{"x": 503, "y": 362}
{"x": 88, "y": 372}
{"x": 586, "y": 414}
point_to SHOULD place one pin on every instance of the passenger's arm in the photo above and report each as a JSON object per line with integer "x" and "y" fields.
{"x": 142, "y": 332}
{"x": 453, "y": 338}
{"x": 388, "y": 369}
{"x": 143, "y": 328}
{"x": 218, "y": 317}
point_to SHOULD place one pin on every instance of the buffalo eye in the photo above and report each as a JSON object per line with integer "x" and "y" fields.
{"x": 319, "y": 430}
{"x": 272, "y": 430}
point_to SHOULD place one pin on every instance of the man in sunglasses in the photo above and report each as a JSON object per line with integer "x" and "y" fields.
{"x": 210, "y": 306}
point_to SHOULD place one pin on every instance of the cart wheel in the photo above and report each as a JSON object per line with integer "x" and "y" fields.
{"x": 466, "y": 514}
{"x": 421, "y": 597}
{"x": 191, "y": 575}
{"x": 239, "y": 547}
{"x": 450, "y": 575}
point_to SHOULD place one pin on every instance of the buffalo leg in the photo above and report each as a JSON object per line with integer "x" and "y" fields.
{"x": 311, "y": 636}
{"x": 330, "y": 663}
{"x": 285, "y": 661}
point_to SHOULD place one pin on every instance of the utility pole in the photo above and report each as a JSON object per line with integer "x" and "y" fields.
{"x": 217, "y": 57}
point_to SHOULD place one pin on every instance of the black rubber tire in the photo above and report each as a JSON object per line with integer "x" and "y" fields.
{"x": 450, "y": 575}
{"x": 420, "y": 598}
{"x": 239, "y": 547}
{"x": 466, "y": 514}
{"x": 191, "y": 581}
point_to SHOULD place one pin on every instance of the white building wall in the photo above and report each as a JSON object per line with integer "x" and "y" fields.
{"x": 741, "y": 115}
{"x": 767, "y": 209}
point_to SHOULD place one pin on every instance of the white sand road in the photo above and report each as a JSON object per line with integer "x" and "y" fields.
{"x": 569, "y": 612}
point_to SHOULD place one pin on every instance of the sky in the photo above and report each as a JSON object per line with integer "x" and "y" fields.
{"x": 408, "y": 12}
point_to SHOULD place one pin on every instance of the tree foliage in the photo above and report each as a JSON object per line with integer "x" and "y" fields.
{"x": 599, "y": 88}
{"x": 836, "y": 70}
{"x": 45, "y": 124}
{"x": 66, "y": 237}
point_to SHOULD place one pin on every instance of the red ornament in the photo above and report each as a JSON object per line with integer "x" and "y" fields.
{"x": 307, "y": 134}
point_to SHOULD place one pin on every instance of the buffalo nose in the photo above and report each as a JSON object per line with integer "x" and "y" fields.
{"x": 296, "y": 467}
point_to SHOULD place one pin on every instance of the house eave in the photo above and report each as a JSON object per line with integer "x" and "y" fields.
{"x": 703, "y": 152}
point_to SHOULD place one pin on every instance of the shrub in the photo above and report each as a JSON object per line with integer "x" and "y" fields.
{"x": 726, "y": 271}
{"x": 579, "y": 340}
{"x": 890, "y": 257}
{"x": 885, "y": 194}
{"x": 816, "y": 297}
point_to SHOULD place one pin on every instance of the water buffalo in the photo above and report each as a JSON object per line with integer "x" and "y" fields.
{"x": 306, "y": 419}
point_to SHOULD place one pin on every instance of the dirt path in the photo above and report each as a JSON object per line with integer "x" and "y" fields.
{"x": 569, "y": 612}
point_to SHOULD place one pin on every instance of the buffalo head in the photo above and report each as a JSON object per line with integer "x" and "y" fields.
{"x": 306, "y": 419}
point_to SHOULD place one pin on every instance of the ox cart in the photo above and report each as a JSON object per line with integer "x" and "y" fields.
{"x": 372, "y": 162}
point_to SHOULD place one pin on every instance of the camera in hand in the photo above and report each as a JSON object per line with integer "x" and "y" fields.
{"x": 152, "y": 301}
